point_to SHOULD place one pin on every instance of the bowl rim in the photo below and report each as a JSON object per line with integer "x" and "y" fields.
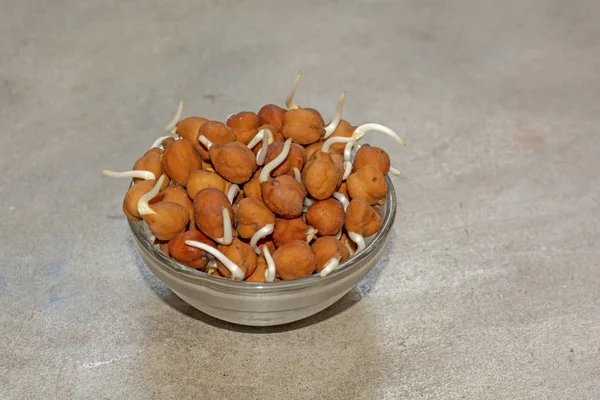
{"x": 139, "y": 233}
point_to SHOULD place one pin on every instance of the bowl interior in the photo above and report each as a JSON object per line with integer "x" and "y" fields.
{"x": 142, "y": 236}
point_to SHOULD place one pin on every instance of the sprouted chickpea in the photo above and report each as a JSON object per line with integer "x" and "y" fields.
{"x": 165, "y": 219}
{"x": 235, "y": 272}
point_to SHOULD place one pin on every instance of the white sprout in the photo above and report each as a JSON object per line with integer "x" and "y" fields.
{"x": 146, "y": 175}
{"x": 395, "y": 171}
{"x": 363, "y": 129}
{"x": 348, "y": 159}
{"x": 233, "y": 191}
{"x": 159, "y": 141}
{"x": 143, "y": 205}
{"x": 236, "y": 272}
{"x": 266, "y": 171}
{"x": 308, "y": 202}
{"x": 342, "y": 199}
{"x": 212, "y": 266}
{"x": 338, "y": 116}
{"x": 172, "y": 126}
{"x": 267, "y": 138}
{"x": 261, "y": 233}
{"x": 310, "y": 234}
{"x": 359, "y": 240}
{"x": 205, "y": 141}
{"x": 347, "y": 170}
{"x": 336, "y": 139}
{"x": 270, "y": 271}
{"x": 338, "y": 235}
{"x": 331, "y": 265}
{"x": 304, "y": 209}
{"x": 297, "y": 174}
{"x": 347, "y": 244}
{"x": 348, "y": 150}
{"x": 227, "y": 233}
{"x": 289, "y": 100}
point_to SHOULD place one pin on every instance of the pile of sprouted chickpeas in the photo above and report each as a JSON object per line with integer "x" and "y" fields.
{"x": 262, "y": 197}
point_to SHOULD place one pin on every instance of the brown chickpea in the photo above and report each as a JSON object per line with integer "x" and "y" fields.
{"x": 217, "y": 133}
{"x": 233, "y": 161}
{"x": 168, "y": 220}
{"x": 208, "y": 212}
{"x": 240, "y": 254}
{"x": 271, "y": 114}
{"x": 303, "y": 126}
{"x": 327, "y": 216}
{"x": 362, "y": 218}
{"x": 150, "y": 161}
{"x": 287, "y": 230}
{"x": 189, "y": 128}
{"x": 367, "y": 183}
{"x": 327, "y": 247}
{"x": 294, "y": 260}
{"x": 191, "y": 256}
{"x": 284, "y": 196}
{"x": 320, "y": 176}
{"x": 201, "y": 179}
{"x": 252, "y": 214}
{"x": 133, "y": 196}
{"x": 245, "y": 124}
{"x": 372, "y": 156}
{"x": 179, "y": 159}
{"x": 178, "y": 195}
{"x": 259, "y": 273}
{"x": 252, "y": 187}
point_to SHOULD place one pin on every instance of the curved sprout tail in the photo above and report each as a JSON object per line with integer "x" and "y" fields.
{"x": 270, "y": 271}
{"x": 227, "y": 232}
{"x": 159, "y": 141}
{"x": 336, "y": 139}
{"x": 289, "y": 100}
{"x": 146, "y": 175}
{"x": 172, "y": 126}
{"x": 310, "y": 234}
{"x": 267, "y": 138}
{"x": 143, "y": 205}
{"x": 348, "y": 150}
{"x": 331, "y": 265}
{"x": 338, "y": 235}
{"x": 347, "y": 170}
{"x": 363, "y": 129}
{"x": 266, "y": 171}
{"x": 297, "y": 174}
{"x": 205, "y": 141}
{"x": 261, "y": 233}
{"x": 236, "y": 272}
{"x": 338, "y": 116}
{"x": 342, "y": 199}
{"x": 359, "y": 240}
{"x": 233, "y": 191}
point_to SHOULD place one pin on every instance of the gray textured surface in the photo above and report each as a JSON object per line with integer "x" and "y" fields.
{"x": 491, "y": 288}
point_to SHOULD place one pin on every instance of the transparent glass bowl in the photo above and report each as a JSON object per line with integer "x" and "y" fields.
{"x": 264, "y": 304}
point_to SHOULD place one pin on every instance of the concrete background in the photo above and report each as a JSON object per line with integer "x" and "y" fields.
{"x": 490, "y": 288}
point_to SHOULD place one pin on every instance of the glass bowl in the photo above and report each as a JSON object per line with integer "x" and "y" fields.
{"x": 264, "y": 304}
